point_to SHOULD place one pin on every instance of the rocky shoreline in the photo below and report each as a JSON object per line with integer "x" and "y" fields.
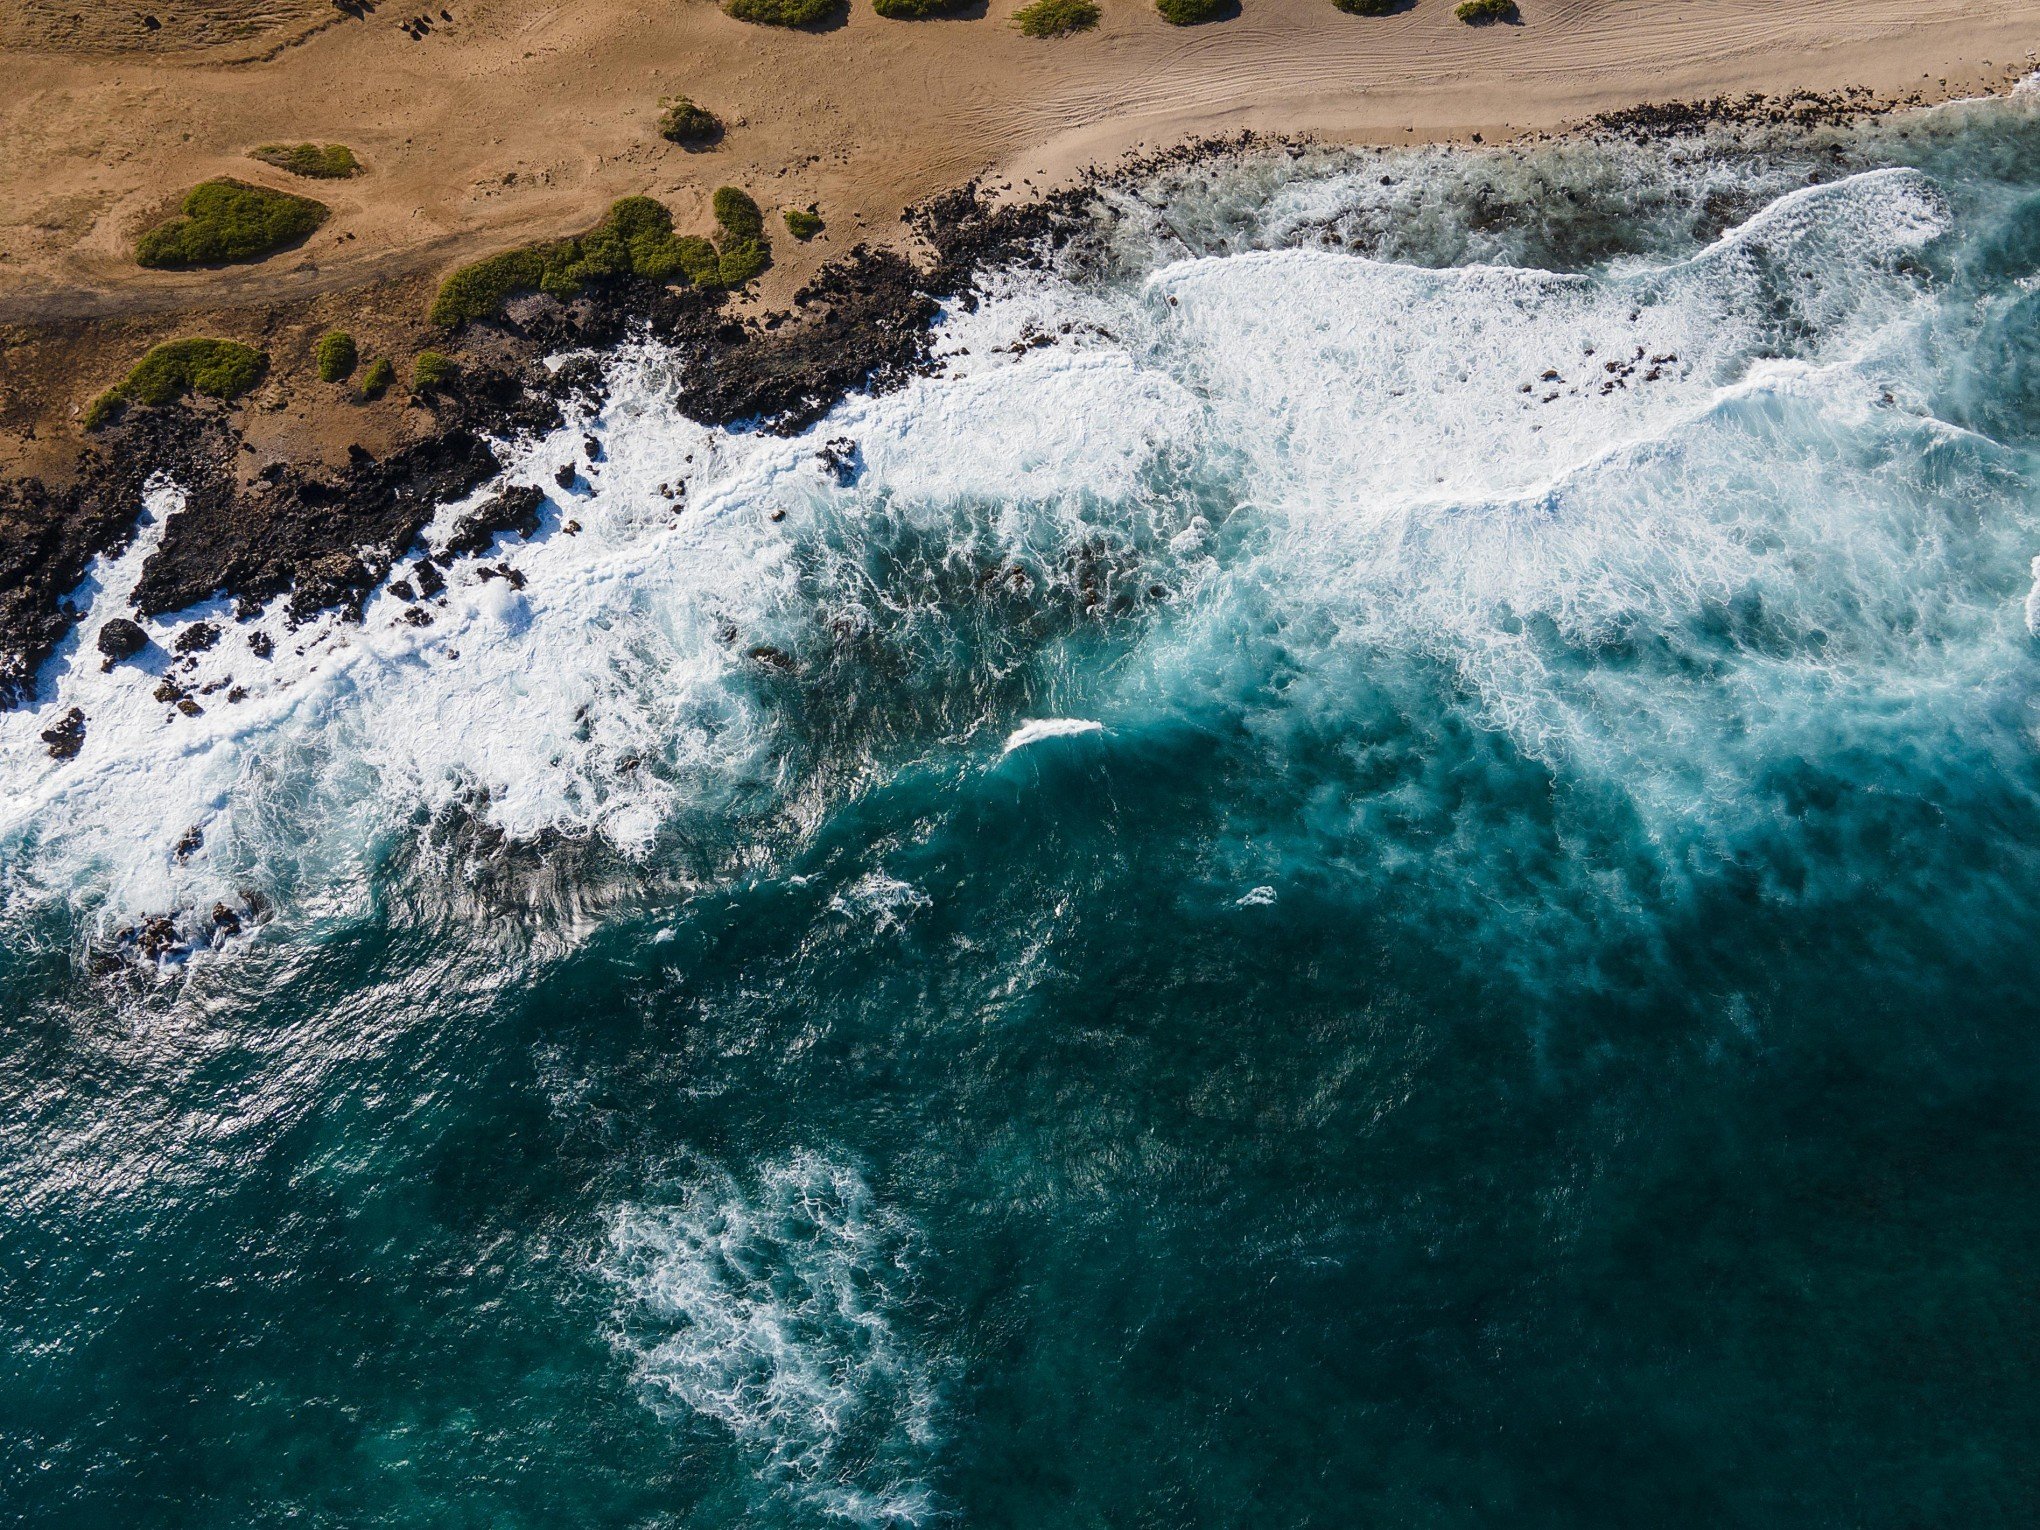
{"x": 324, "y": 538}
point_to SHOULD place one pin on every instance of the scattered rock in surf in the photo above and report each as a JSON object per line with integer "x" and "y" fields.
{"x": 169, "y": 690}
{"x": 772, "y": 658}
{"x": 565, "y": 476}
{"x": 225, "y": 920}
{"x": 430, "y": 581}
{"x": 121, "y": 639}
{"x": 592, "y": 448}
{"x": 197, "y": 638}
{"x": 261, "y": 644}
{"x": 190, "y": 843}
{"x": 66, "y": 736}
{"x": 238, "y": 693}
{"x": 417, "y": 616}
{"x": 189, "y": 707}
{"x": 515, "y": 509}
{"x": 842, "y": 458}
{"x": 401, "y": 588}
{"x": 504, "y": 571}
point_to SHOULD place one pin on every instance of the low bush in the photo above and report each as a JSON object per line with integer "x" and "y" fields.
{"x": 224, "y": 369}
{"x": 784, "y": 13}
{"x": 737, "y": 215}
{"x": 916, "y": 10}
{"x": 635, "y": 239}
{"x": 335, "y": 356}
{"x": 433, "y": 371}
{"x": 1370, "y": 7}
{"x": 686, "y": 123}
{"x": 333, "y": 162}
{"x": 228, "y": 220}
{"x": 1190, "y": 13}
{"x": 1055, "y": 18}
{"x": 1481, "y": 13}
{"x": 803, "y": 223}
{"x": 376, "y": 381}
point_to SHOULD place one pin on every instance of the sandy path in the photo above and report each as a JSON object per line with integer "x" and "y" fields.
{"x": 522, "y": 118}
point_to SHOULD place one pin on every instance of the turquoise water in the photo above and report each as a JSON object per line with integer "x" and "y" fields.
{"x": 1284, "y": 933}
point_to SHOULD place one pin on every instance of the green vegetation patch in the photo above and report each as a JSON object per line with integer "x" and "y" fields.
{"x": 335, "y": 356}
{"x": 1055, "y": 18}
{"x": 328, "y": 162}
{"x": 228, "y": 220}
{"x": 636, "y": 239}
{"x": 432, "y": 371}
{"x": 784, "y": 13}
{"x": 1370, "y": 7}
{"x": 916, "y": 10}
{"x": 685, "y": 123}
{"x": 376, "y": 381}
{"x": 737, "y": 214}
{"x": 1481, "y": 13}
{"x": 1190, "y": 13}
{"x": 803, "y": 223}
{"x": 223, "y": 369}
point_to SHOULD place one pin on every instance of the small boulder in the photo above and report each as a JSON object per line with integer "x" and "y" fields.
{"x": 66, "y": 736}
{"x": 121, "y": 639}
{"x": 197, "y": 638}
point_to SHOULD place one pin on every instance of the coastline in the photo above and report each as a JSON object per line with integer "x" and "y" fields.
{"x": 282, "y": 482}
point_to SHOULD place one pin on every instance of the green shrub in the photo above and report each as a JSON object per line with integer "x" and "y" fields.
{"x": 1055, "y": 18}
{"x": 1189, "y": 13}
{"x": 740, "y": 261}
{"x": 375, "y": 382}
{"x": 1480, "y": 13}
{"x": 228, "y": 220}
{"x": 335, "y": 356}
{"x": 432, "y": 371}
{"x": 784, "y": 13}
{"x": 916, "y": 10}
{"x": 1370, "y": 7}
{"x": 684, "y": 122}
{"x": 737, "y": 215}
{"x": 334, "y": 162}
{"x": 222, "y": 368}
{"x": 636, "y": 239}
{"x": 803, "y": 223}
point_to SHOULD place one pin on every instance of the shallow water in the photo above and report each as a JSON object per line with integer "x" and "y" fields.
{"x": 1271, "y": 916}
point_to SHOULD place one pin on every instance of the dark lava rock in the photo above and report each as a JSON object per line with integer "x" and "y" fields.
{"x": 514, "y": 509}
{"x": 261, "y": 644}
{"x": 592, "y": 447}
{"x": 430, "y": 580}
{"x": 121, "y": 639}
{"x": 48, "y": 535}
{"x": 66, "y": 736}
{"x": 225, "y": 920}
{"x": 565, "y": 476}
{"x": 841, "y": 458}
{"x": 773, "y": 658}
{"x": 197, "y": 638}
{"x": 301, "y": 534}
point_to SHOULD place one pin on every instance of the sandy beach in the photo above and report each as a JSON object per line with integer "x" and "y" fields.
{"x": 521, "y": 118}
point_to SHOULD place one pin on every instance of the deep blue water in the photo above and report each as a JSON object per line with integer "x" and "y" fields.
{"x": 1521, "y": 1012}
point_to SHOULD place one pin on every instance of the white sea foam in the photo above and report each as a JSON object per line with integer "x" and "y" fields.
{"x": 773, "y": 1310}
{"x": 1368, "y": 418}
{"x": 1049, "y": 727}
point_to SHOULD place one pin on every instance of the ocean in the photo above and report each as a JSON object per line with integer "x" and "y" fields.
{"x": 1371, "y": 865}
